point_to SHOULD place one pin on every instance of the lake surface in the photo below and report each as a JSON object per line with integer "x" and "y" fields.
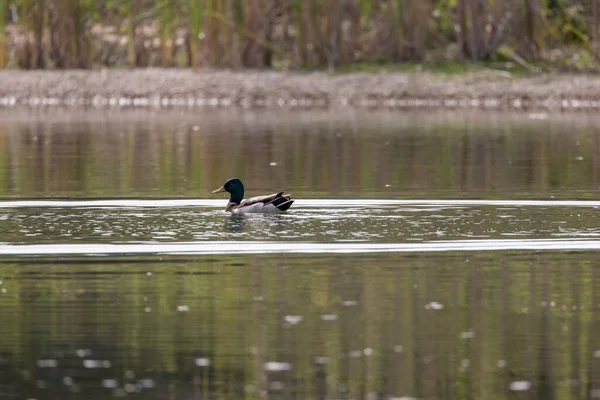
{"x": 427, "y": 256}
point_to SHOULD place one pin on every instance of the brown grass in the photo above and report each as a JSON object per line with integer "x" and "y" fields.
{"x": 288, "y": 34}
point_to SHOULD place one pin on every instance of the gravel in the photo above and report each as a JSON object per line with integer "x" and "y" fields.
{"x": 488, "y": 89}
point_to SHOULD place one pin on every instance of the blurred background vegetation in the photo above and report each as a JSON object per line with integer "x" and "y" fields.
{"x": 297, "y": 34}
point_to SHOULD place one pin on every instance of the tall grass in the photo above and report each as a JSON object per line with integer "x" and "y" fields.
{"x": 195, "y": 12}
{"x": 167, "y": 21}
{"x": 294, "y": 33}
{"x": 3, "y": 43}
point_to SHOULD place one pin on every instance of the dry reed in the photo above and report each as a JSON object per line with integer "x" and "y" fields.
{"x": 289, "y": 34}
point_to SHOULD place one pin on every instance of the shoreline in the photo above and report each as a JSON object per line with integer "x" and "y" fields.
{"x": 254, "y": 89}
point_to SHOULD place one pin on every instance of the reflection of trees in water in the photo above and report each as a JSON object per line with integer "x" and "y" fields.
{"x": 452, "y": 326}
{"x": 142, "y": 157}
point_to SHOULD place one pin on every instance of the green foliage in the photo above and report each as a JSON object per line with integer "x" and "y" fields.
{"x": 266, "y": 33}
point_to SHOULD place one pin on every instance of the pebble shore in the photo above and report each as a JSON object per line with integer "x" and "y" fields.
{"x": 171, "y": 88}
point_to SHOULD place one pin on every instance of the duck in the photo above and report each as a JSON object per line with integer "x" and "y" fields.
{"x": 277, "y": 202}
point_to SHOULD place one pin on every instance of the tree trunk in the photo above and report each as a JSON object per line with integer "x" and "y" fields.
{"x": 595, "y": 28}
{"x": 38, "y": 35}
{"x": 463, "y": 40}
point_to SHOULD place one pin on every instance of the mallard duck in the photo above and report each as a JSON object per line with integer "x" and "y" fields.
{"x": 277, "y": 202}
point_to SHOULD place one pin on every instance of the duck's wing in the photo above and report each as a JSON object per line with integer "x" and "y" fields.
{"x": 261, "y": 199}
{"x": 275, "y": 201}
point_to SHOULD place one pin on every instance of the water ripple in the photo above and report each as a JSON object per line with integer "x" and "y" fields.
{"x": 265, "y": 247}
{"x": 300, "y": 203}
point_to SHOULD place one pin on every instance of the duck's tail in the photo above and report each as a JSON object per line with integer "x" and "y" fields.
{"x": 283, "y": 202}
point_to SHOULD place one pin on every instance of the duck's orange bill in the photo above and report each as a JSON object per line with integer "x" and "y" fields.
{"x": 219, "y": 190}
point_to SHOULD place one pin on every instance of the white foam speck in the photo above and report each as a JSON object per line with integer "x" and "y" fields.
{"x": 109, "y": 383}
{"x": 277, "y": 366}
{"x": 355, "y": 353}
{"x": 83, "y": 352}
{"x": 96, "y": 364}
{"x": 130, "y": 388}
{"x": 202, "y": 362}
{"x": 183, "y": 308}
{"x": 293, "y": 319}
{"x": 47, "y": 363}
{"x": 146, "y": 383}
{"x": 434, "y": 305}
{"x": 520, "y": 386}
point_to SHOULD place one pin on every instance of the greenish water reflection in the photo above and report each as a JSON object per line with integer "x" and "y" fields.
{"x": 438, "y": 324}
{"x": 367, "y": 154}
{"x": 452, "y": 326}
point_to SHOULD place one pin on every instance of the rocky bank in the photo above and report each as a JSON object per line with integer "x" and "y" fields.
{"x": 494, "y": 90}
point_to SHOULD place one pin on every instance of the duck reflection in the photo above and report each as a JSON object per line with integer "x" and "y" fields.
{"x": 235, "y": 223}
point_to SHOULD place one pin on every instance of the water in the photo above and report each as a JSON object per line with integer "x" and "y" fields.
{"x": 426, "y": 256}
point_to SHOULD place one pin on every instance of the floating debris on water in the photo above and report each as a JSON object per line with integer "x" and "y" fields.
{"x": 293, "y": 319}
{"x": 329, "y": 317}
{"x": 321, "y": 360}
{"x": 434, "y": 305}
{"x": 47, "y": 363}
{"x": 83, "y": 352}
{"x": 520, "y": 386}
{"x": 355, "y": 353}
{"x": 130, "y": 388}
{"x": 202, "y": 362}
{"x": 97, "y": 364}
{"x": 277, "y": 366}
{"x": 110, "y": 383}
{"x": 146, "y": 383}
{"x": 183, "y": 308}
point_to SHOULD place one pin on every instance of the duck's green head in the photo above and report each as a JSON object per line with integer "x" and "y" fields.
{"x": 235, "y": 188}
